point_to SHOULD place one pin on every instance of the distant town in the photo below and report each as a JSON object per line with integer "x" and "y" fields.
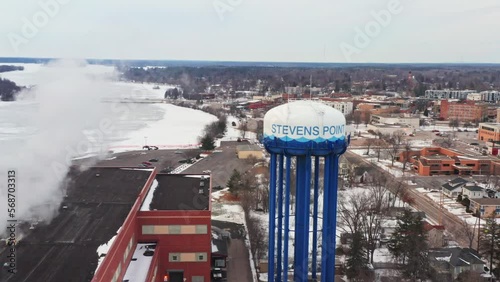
{"x": 418, "y": 192}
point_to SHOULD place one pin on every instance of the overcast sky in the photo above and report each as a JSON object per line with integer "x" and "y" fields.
{"x": 254, "y": 30}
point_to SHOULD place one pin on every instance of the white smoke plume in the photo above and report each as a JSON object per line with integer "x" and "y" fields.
{"x": 61, "y": 112}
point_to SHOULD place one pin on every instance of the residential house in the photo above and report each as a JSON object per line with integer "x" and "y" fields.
{"x": 454, "y": 187}
{"x": 472, "y": 191}
{"x": 486, "y": 206}
{"x": 450, "y": 262}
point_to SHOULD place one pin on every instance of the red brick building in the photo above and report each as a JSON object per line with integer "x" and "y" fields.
{"x": 463, "y": 111}
{"x": 121, "y": 224}
{"x": 173, "y": 223}
{"x": 442, "y": 161}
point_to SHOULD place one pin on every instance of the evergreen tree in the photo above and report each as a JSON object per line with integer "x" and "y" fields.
{"x": 490, "y": 242}
{"x": 408, "y": 245}
{"x": 234, "y": 182}
{"x": 357, "y": 262}
{"x": 207, "y": 142}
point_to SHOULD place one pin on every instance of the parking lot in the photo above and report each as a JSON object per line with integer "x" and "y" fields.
{"x": 221, "y": 163}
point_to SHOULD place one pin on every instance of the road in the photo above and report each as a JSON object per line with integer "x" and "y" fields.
{"x": 432, "y": 210}
{"x": 238, "y": 266}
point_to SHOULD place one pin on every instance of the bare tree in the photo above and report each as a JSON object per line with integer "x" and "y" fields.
{"x": 257, "y": 237}
{"x": 356, "y": 118}
{"x": 372, "y": 228}
{"x": 407, "y": 146}
{"x": 395, "y": 142}
{"x": 379, "y": 146}
{"x": 467, "y": 231}
{"x": 378, "y": 191}
{"x": 351, "y": 211}
{"x": 368, "y": 143}
{"x": 251, "y": 160}
{"x": 243, "y": 128}
{"x": 248, "y": 201}
{"x": 399, "y": 190}
{"x": 454, "y": 123}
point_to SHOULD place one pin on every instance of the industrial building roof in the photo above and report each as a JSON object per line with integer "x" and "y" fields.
{"x": 181, "y": 192}
{"x": 98, "y": 201}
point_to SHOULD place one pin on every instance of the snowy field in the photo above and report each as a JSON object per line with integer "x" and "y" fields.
{"x": 162, "y": 125}
{"x": 396, "y": 169}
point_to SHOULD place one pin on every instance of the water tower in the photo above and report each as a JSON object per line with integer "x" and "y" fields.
{"x": 303, "y": 136}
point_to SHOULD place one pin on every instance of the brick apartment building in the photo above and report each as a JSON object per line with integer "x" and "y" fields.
{"x": 365, "y": 110}
{"x": 464, "y": 111}
{"x": 489, "y": 132}
{"x": 442, "y": 161}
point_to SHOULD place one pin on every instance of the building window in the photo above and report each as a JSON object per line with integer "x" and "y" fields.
{"x": 198, "y": 279}
{"x": 174, "y": 229}
{"x": 173, "y": 257}
{"x": 187, "y": 257}
{"x": 220, "y": 263}
{"x": 201, "y": 257}
{"x": 201, "y": 229}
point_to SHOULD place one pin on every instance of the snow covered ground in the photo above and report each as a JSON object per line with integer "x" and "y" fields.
{"x": 453, "y": 207}
{"x": 395, "y": 169}
{"x": 162, "y": 125}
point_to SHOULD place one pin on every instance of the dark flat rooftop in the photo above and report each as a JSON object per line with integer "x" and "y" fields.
{"x": 181, "y": 192}
{"x": 66, "y": 249}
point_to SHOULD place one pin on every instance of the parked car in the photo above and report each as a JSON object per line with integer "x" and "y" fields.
{"x": 146, "y": 163}
{"x": 153, "y": 160}
{"x": 207, "y": 171}
{"x": 474, "y": 144}
{"x": 435, "y": 130}
{"x": 166, "y": 170}
{"x": 412, "y": 135}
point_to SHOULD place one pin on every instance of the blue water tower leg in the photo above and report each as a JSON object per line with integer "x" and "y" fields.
{"x": 279, "y": 252}
{"x": 324, "y": 234}
{"x": 272, "y": 218}
{"x": 315, "y": 219}
{"x": 287, "y": 218}
{"x": 333, "y": 214}
{"x": 302, "y": 220}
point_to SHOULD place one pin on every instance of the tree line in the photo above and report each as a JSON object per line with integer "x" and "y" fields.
{"x": 8, "y": 90}
{"x": 7, "y": 68}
